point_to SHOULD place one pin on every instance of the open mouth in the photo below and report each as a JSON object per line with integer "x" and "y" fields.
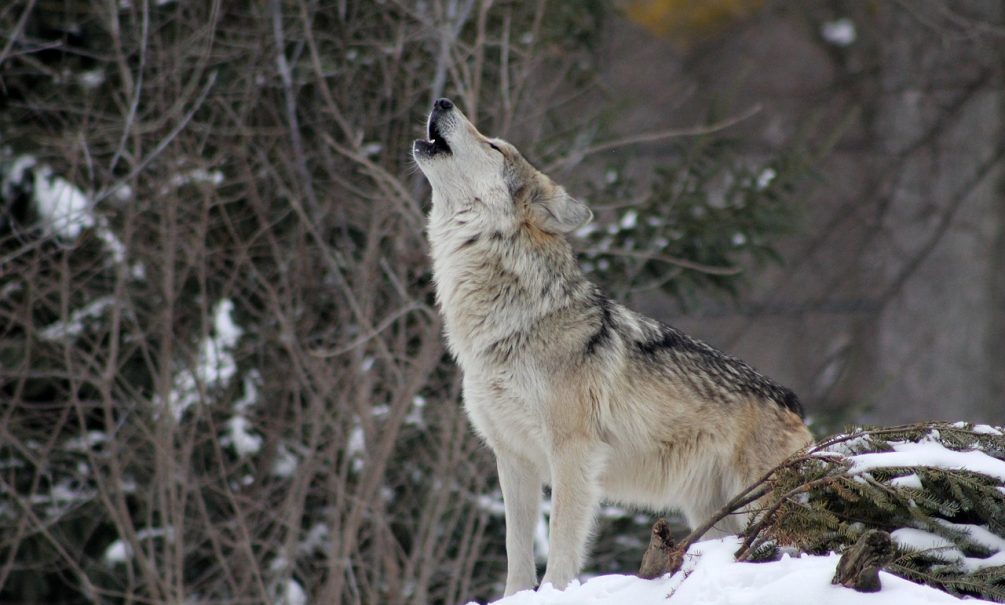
{"x": 436, "y": 139}
{"x": 437, "y": 143}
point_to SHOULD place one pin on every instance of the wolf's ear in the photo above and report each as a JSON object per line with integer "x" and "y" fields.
{"x": 556, "y": 211}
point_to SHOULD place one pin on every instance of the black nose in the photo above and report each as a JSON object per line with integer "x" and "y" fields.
{"x": 443, "y": 104}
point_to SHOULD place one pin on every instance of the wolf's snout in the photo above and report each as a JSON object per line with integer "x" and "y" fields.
{"x": 436, "y": 144}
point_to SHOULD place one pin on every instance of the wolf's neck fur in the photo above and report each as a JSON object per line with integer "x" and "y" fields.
{"x": 496, "y": 279}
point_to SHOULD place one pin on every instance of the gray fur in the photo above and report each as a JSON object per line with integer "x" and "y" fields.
{"x": 568, "y": 387}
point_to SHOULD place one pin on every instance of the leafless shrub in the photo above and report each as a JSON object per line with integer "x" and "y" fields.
{"x": 222, "y": 375}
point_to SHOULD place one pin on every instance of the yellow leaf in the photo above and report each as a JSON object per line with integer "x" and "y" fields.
{"x": 685, "y": 20}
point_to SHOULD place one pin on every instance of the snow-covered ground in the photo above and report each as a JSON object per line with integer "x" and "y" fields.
{"x": 710, "y": 576}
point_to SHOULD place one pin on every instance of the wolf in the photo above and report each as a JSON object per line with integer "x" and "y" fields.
{"x": 568, "y": 387}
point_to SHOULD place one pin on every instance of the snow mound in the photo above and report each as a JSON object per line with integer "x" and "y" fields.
{"x": 930, "y": 454}
{"x": 710, "y": 576}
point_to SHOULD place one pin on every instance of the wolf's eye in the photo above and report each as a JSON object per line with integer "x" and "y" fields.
{"x": 494, "y": 146}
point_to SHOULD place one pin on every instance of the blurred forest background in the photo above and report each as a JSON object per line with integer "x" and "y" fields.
{"x": 222, "y": 377}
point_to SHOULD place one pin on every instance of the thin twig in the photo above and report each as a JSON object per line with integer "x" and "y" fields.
{"x": 370, "y": 335}
{"x": 137, "y": 90}
{"x": 675, "y": 260}
{"x": 650, "y": 137}
{"x": 750, "y": 494}
{"x": 162, "y": 144}
{"x": 754, "y": 531}
{"x": 289, "y": 98}
{"x": 16, "y": 32}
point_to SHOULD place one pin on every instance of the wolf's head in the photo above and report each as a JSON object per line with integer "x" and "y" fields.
{"x": 469, "y": 170}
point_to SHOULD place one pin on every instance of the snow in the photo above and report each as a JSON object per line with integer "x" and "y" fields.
{"x": 629, "y": 220}
{"x": 117, "y": 552}
{"x": 240, "y": 437}
{"x": 978, "y": 535}
{"x": 62, "y": 206}
{"x": 120, "y": 551}
{"x": 927, "y": 542}
{"x": 91, "y": 79}
{"x": 710, "y": 576}
{"x": 414, "y": 417}
{"x": 845, "y": 444}
{"x": 985, "y": 429}
{"x": 981, "y": 536}
{"x": 285, "y": 463}
{"x": 63, "y": 209}
{"x": 227, "y": 332}
{"x": 840, "y": 32}
{"x": 356, "y": 446}
{"x": 63, "y": 492}
{"x": 61, "y": 498}
{"x": 194, "y": 176}
{"x": 585, "y": 230}
{"x": 88, "y": 441}
{"x": 931, "y": 454}
{"x": 972, "y": 564}
{"x": 16, "y": 173}
{"x": 980, "y": 429}
{"x": 293, "y": 594}
{"x": 911, "y": 481}
{"x": 541, "y": 543}
{"x": 74, "y": 325}
{"x": 112, "y": 243}
{"x": 318, "y": 540}
{"x": 764, "y": 179}
{"x": 250, "y": 397}
{"x": 941, "y": 548}
{"x": 491, "y": 504}
{"x": 215, "y": 364}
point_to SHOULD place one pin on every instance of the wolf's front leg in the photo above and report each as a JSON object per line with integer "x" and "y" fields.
{"x": 521, "y": 488}
{"x": 575, "y": 493}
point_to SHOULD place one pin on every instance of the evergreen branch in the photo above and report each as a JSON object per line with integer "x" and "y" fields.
{"x": 817, "y": 505}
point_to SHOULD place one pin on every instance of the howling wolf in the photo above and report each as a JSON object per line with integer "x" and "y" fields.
{"x": 568, "y": 387}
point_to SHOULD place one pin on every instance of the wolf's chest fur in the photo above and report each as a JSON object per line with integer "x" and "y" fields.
{"x": 499, "y": 287}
